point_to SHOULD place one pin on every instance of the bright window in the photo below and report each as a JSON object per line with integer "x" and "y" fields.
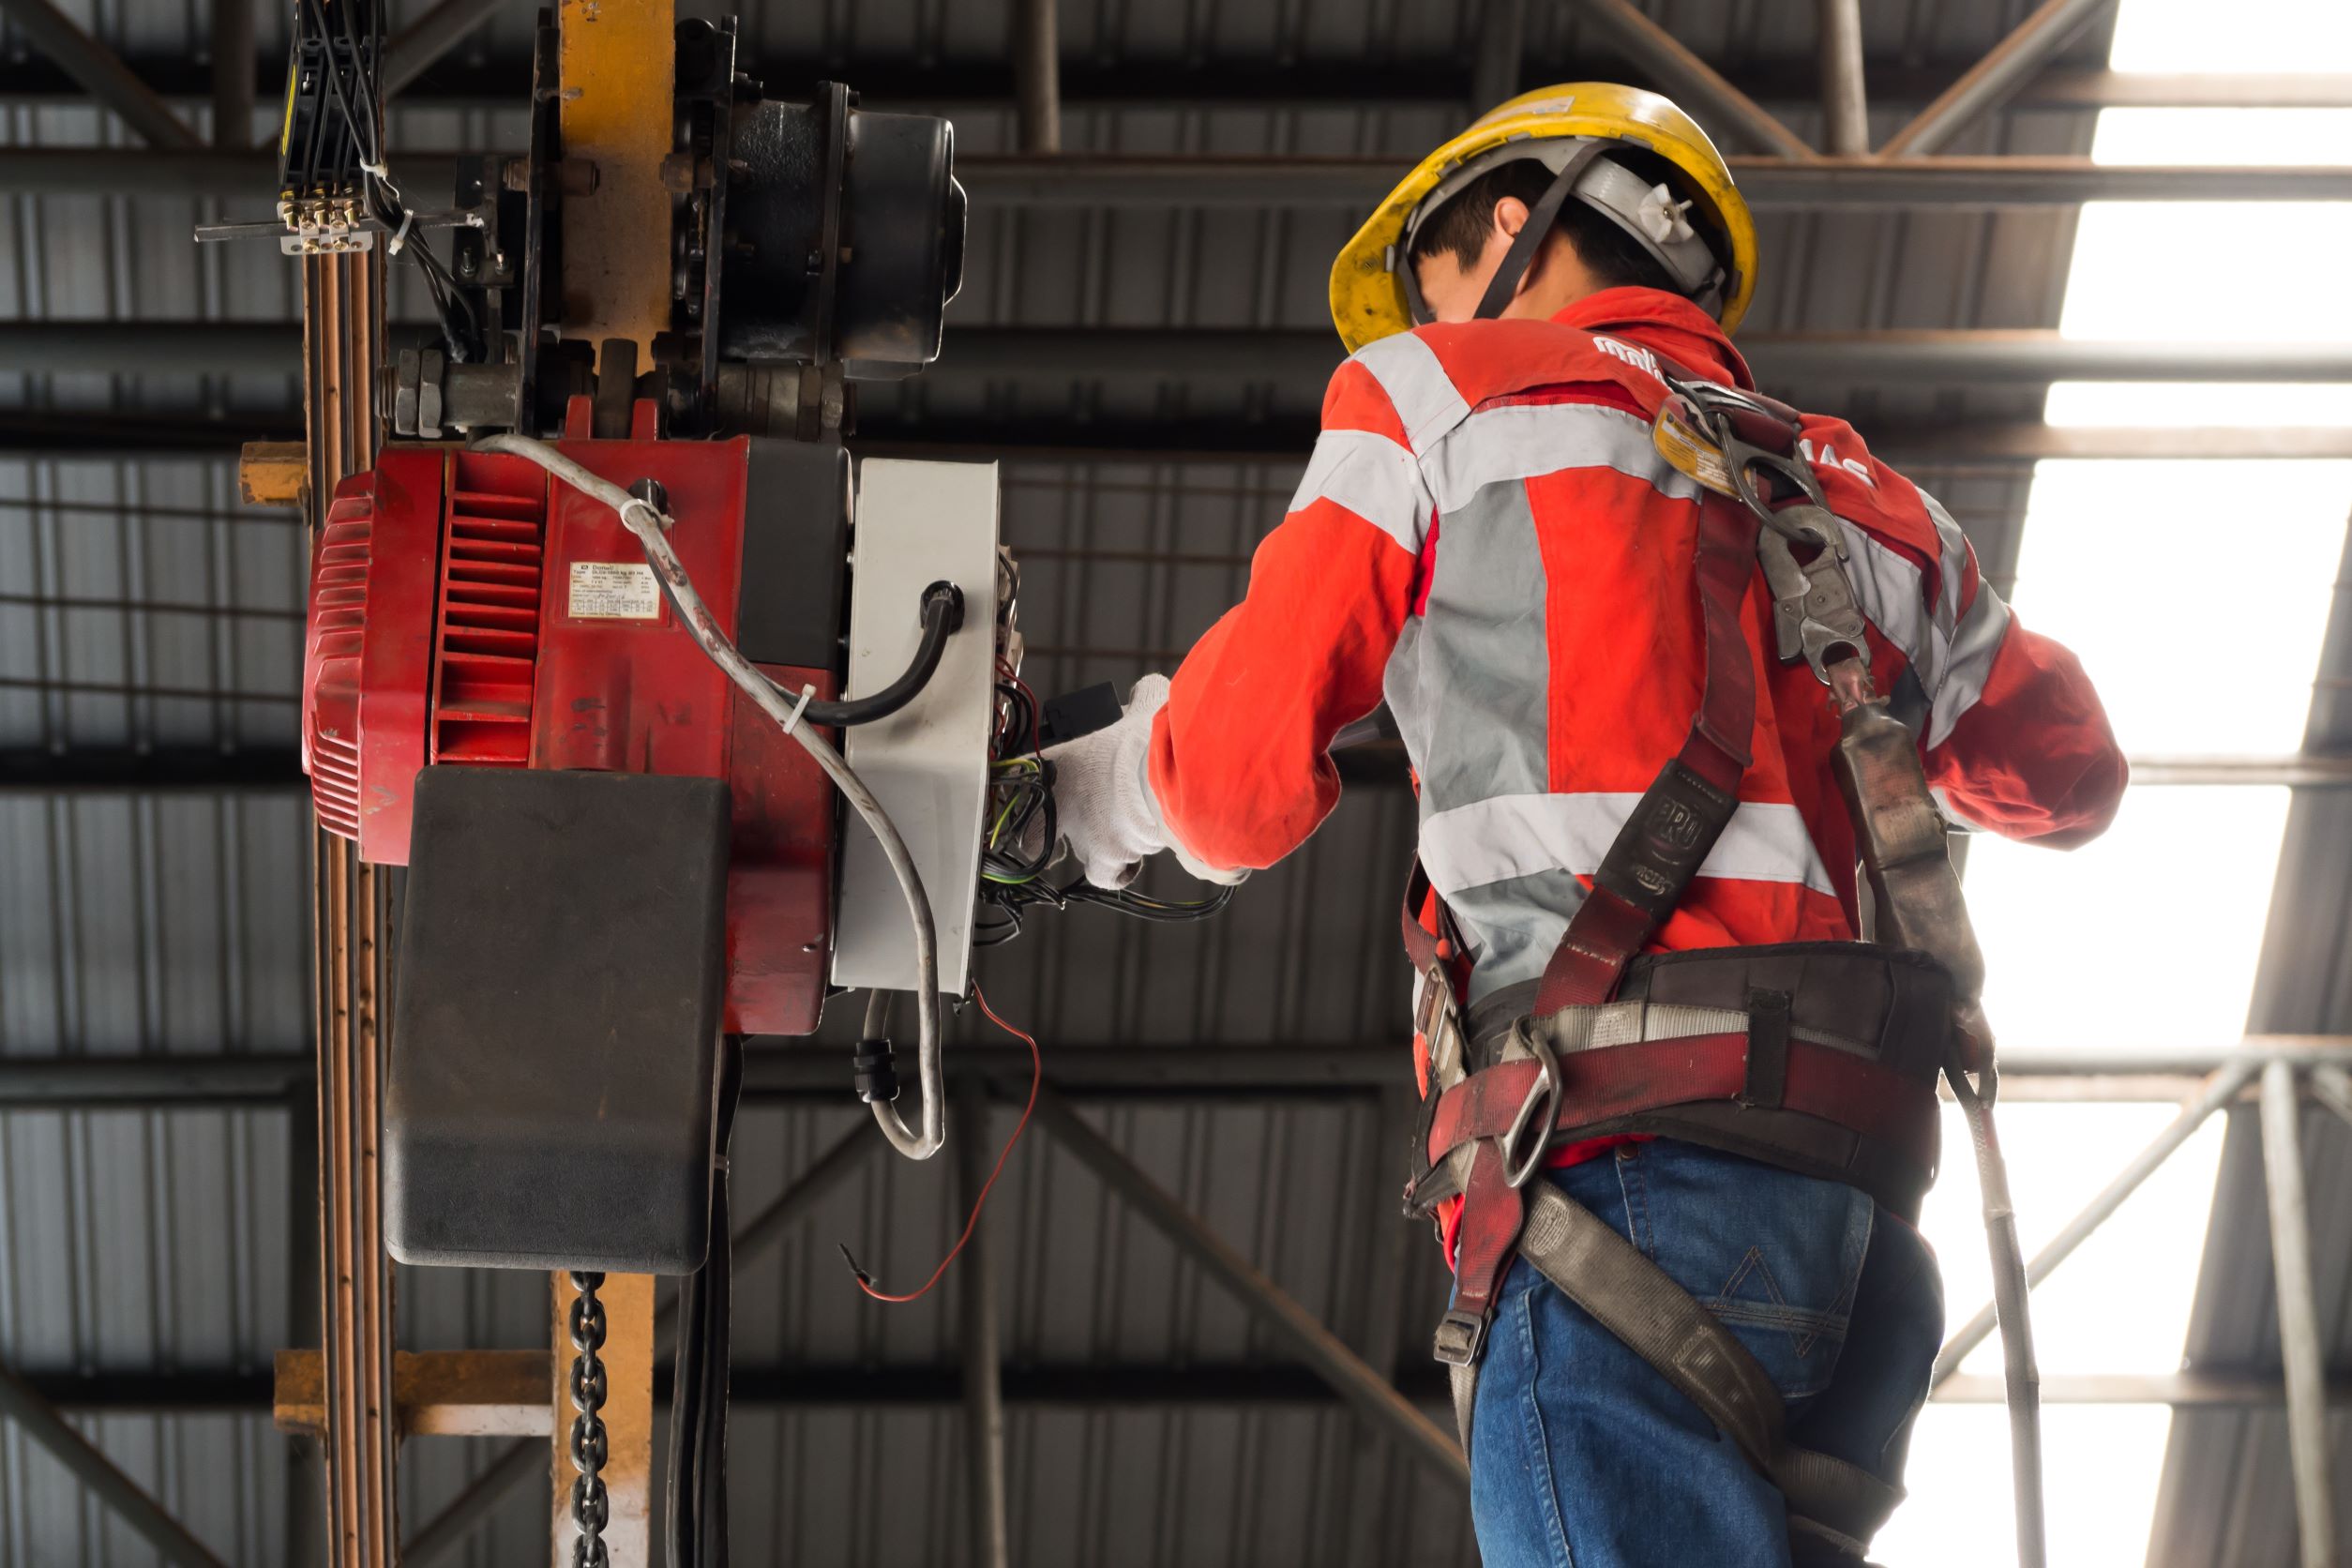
{"x": 2196, "y": 593}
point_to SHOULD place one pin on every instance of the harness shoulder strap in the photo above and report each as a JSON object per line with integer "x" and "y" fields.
{"x": 1674, "y": 827}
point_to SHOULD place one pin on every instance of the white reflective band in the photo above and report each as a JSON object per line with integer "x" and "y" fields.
{"x": 1373, "y": 478}
{"x": 1974, "y": 647}
{"x": 1418, "y": 388}
{"x": 1520, "y": 836}
{"x": 1521, "y": 441}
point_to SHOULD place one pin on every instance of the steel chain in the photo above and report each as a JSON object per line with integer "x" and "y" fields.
{"x": 591, "y": 1504}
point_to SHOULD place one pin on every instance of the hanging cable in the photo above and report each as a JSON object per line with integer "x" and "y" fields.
{"x": 980, "y": 1199}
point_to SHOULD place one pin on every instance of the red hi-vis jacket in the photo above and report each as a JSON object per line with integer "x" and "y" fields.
{"x": 1485, "y": 535}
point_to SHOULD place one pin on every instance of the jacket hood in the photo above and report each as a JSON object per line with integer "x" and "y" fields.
{"x": 1666, "y": 322}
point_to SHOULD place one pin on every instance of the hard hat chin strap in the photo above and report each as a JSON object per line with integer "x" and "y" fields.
{"x": 1504, "y": 285}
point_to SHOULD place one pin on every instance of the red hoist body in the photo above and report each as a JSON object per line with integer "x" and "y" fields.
{"x": 467, "y": 610}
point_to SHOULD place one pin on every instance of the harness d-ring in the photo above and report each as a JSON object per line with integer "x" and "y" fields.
{"x": 1546, "y": 1090}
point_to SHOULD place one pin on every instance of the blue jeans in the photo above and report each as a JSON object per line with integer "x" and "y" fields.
{"x": 1582, "y": 1456}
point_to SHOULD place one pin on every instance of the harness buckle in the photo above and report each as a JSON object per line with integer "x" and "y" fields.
{"x": 1520, "y": 1167}
{"x": 1438, "y": 1023}
{"x": 1459, "y": 1338}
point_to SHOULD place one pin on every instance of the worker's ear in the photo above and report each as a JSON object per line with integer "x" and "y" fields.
{"x": 1511, "y": 215}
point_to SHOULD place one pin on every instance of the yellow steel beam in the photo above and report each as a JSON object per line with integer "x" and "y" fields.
{"x": 617, "y": 68}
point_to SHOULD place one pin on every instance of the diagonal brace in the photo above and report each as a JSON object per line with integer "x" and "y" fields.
{"x": 1325, "y": 1353}
{"x": 1697, "y": 84}
{"x": 101, "y": 71}
{"x": 1993, "y": 80}
{"x": 2219, "y": 1090}
{"x": 94, "y": 1470}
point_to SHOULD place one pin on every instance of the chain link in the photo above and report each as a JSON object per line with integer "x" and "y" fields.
{"x": 591, "y": 1506}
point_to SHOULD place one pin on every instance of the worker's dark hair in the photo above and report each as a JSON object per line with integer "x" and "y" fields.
{"x": 1613, "y": 257}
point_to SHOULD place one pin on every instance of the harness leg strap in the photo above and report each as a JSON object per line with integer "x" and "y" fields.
{"x": 1463, "y": 1379}
{"x": 1831, "y": 1502}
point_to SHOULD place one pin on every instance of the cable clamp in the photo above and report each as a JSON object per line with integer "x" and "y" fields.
{"x": 636, "y": 504}
{"x": 799, "y": 708}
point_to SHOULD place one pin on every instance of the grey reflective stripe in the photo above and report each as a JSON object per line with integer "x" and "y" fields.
{"x": 1373, "y": 478}
{"x": 1892, "y": 595}
{"x": 1522, "y": 441}
{"x": 1970, "y": 664}
{"x": 1954, "y": 565}
{"x": 1970, "y": 640}
{"x": 1469, "y": 680}
{"x": 1505, "y": 837}
{"x": 1423, "y": 395}
{"x": 1512, "y": 928}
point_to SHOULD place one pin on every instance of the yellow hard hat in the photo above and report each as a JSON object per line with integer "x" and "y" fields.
{"x": 1680, "y": 202}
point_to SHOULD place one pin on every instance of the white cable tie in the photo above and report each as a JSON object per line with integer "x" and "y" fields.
{"x": 799, "y": 708}
{"x": 636, "y": 504}
{"x": 378, "y": 169}
{"x": 399, "y": 235}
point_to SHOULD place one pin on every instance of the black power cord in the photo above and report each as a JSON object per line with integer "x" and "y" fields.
{"x": 943, "y": 614}
{"x": 696, "y": 1513}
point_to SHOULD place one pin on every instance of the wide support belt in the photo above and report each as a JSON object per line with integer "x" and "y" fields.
{"x": 1614, "y": 1082}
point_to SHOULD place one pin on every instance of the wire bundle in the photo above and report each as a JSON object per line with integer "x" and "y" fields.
{"x": 1024, "y": 836}
{"x": 363, "y": 120}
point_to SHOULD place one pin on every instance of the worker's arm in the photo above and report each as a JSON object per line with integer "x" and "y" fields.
{"x": 2017, "y": 740}
{"x": 1239, "y": 765}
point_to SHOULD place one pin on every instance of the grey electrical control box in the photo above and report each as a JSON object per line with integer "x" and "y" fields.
{"x": 918, "y": 523}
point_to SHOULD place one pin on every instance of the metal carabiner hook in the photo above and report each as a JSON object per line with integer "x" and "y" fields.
{"x": 1546, "y": 1090}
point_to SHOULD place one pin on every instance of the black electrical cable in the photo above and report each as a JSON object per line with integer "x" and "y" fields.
{"x": 942, "y": 613}
{"x": 695, "y": 1515}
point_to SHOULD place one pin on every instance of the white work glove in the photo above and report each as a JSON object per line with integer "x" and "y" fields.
{"x": 1103, "y": 801}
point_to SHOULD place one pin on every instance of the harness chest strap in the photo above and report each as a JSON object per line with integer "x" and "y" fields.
{"x": 1597, "y": 1086}
{"x": 1671, "y": 831}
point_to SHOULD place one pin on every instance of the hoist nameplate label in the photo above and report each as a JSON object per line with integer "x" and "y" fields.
{"x": 613, "y": 591}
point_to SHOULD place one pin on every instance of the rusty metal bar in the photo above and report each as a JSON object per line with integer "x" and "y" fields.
{"x": 1356, "y": 1381}
{"x": 2301, "y": 1352}
{"x": 101, "y": 71}
{"x": 342, "y": 336}
{"x": 2010, "y": 65}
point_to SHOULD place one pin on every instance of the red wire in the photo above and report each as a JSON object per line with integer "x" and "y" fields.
{"x": 1036, "y": 1076}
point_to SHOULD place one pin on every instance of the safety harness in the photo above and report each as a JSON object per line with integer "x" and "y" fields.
{"x": 1817, "y": 1057}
